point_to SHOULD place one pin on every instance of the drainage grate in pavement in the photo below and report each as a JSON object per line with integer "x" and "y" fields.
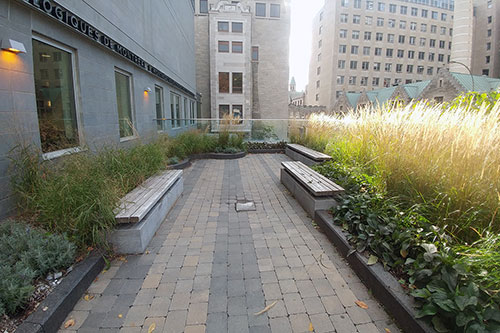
{"x": 245, "y": 206}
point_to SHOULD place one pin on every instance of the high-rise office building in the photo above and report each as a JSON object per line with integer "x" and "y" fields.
{"x": 476, "y": 38}
{"x": 242, "y": 58}
{"x": 361, "y": 45}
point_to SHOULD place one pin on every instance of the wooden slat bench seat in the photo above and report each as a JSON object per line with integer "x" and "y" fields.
{"x": 142, "y": 211}
{"x": 312, "y": 190}
{"x": 305, "y": 155}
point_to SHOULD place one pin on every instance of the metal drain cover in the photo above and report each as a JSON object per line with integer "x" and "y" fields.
{"x": 245, "y": 206}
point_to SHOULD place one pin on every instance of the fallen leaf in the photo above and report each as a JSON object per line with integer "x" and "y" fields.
{"x": 311, "y": 327}
{"x": 45, "y": 308}
{"x": 362, "y": 304}
{"x": 88, "y": 297}
{"x": 151, "y": 327}
{"x": 69, "y": 323}
{"x": 387, "y": 330}
{"x": 267, "y": 308}
{"x": 372, "y": 260}
{"x": 403, "y": 253}
{"x": 120, "y": 315}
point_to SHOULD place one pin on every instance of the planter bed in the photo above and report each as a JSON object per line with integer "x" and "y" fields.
{"x": 382, "y": 284}
{"x": 267, "y": 151}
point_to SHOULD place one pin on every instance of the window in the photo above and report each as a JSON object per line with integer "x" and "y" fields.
{"x": 488, "y": 46}
{"x": 159, "y": 108}
{"x": 432, "y": 43}
{"x": 380, "y": 22}
{"x": 433, "y": 29}
{"x": 488, "y": 33}
{"x": 237, "y": 83}
{"x": 223, "y": 26}
{"x": 368, "y": 20}
{"x": 238, "y": 112}
{"x": 368, "y": 35}
{"x": 388, "y": 53}
{"x": 255, "y": 53}
{"x": 320, "y": 30}
{"x": 237, "y": 47}
{"x": 401, "y": 39}
{"x": 223, "y": 46}
{"x": 357, "y": 3}
{"x": 317, "y": 97}
{"x": 411, "y": 54}
{"x": 365, "y": 65}
{"x": 342, "y": 48}
{"x": 434, "y": 15}
{"x": 57, "y": 116}
{"x": 423, "y": 27}
{"x": 430, "y": 70}
{"x": 185, "y": 113}
{"x": 275, "y": 10}
{"x": 319, "y": 57}
{"x": 354, "y": 49}
{"x": 379, "y": 36}
{"x": 352, "y": 80}
{"x": 381, "y": 6}
{"x": 356, "y": 19}
{"x": 353, "y": 64}
{"x": 442, "y": 44}
{"x": 399, "y": 68}
{"x": 344, "y": 18}
{"x": 414, "y": 11}
{"x": 425, "y": 12}
{"x": 402, "y": 24}
{"x": 486, "y": 72}
{"x": 375, "y": 81}
{"x": 420, "y": 69}
{"x": 378, "y": 51}
{"x": 490, "y": 19}
{"x": 376, "y": 66}
{"x": 443, "y": 16}
{"x": 369, "y": 4}
{"x": 318, "y": 83}
{"x": 223, "y": 110}
{"x": 391, "y": 23}
{"x": 392, "y": 8}
{"x": 344, "y": 3}
{"x": 421, "y": 55}
{"x": 321, "y": 16}
{"x": 364, "y": 81}
{"x": 318, "y": 70}
{"x": 224, "y": 82}
{"x": 203, "y": 6}
{"x": 340, "y": 79}
{"x": 412, "y": 40}
{"x": 355, "y": 34}
{"x": 192, "y": 113}
{"x": 388, "y": 67}
{"x": 443, "y": 30}
{"x": 237, "y": 27}
{"x": 403, "y": 10}
{"x": 366, "y": 50}
{"x": 422, "y": 41}
{"x": 175, "y": 110}
{"x": 341, "y": 64}
{"x": 431, "y": 56}
{"x": 440, "y": 57}
{"x": 260, "y": 10}
{"x": 401, "y": 54}
{"x": 488, "y": 59}
{"x": 320, "y": 42}
{"x": 387, "y": 82}
{"x": 413, "y": 26}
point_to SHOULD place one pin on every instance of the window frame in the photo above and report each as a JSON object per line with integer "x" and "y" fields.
{"x": 132, "y": 103}
{"x": 260, "y": 4}
{"x": 162, "y": 105}
{"x": 175, "y": 121}
{"x": 274, "y": 5}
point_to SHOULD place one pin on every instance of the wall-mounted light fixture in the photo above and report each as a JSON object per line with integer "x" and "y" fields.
{"x": 147, "y": 90}
{"x": 13, "y": 46}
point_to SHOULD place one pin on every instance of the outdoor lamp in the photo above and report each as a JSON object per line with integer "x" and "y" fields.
{"x": 147, "y": 90}
{"x": 13, "y": 46}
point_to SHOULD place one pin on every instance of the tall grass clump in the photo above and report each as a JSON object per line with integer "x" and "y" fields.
{"x": 447, "y": 159}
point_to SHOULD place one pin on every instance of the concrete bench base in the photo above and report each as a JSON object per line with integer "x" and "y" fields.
{"x": 133, "y": 238}
{"x": 299, "y": 157}
{"x": 309, "y": 202}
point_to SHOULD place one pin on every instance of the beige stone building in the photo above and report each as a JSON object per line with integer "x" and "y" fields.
{"x": 476, "y": 38}
{"x": 363, "y": 45}
{"x": 242, "y": 58}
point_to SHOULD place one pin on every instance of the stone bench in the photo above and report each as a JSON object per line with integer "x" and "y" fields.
{"x": 312, "y": 190}
{"x": 306, "y": 155}
{"x": 142, "y": 211}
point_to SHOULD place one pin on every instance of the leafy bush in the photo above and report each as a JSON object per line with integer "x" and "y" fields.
{"x": 266, "y": 145}
{"x": 26, "y": 254}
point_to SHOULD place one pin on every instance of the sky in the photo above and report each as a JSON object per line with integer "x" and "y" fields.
{"x": 303, "y": 12}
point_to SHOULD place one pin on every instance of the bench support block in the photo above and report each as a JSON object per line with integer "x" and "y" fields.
{"x": 133, "y": 238}
{"x": 299, "y": 157}
{"x": 309, "y": 202}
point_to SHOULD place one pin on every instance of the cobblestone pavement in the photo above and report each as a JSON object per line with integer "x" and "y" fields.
{"x": 210, "y": 268}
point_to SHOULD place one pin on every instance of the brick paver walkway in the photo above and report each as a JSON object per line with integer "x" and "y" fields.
{"x": 210, "y": 268}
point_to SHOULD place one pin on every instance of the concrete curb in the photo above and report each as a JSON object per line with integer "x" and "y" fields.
{"x": 267, "y": 151}
{"x": 181, "y": 165}
{"x": 383, "y": 285}
{"x": 62, "y": 299}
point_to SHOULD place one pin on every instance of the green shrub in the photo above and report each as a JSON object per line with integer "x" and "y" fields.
{"x": 26, "y": 254}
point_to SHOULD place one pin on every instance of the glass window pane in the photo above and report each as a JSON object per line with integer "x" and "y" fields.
{"x": 255, "y": 53}
{"x": 55, "y": 97}
{"x": 223, "y": 110}
{"x": 275, "y": 10}
{"x": 237, "y": 83}
{"x": 203, "y": 6}
{"x": 124, "y": 104}
{"x": 224, "y": 46}
{"x": 223, "y": 82}
{"x": 175, "y": 111}
{"x": 186, "y": 112}
{"x": 238, "y": 113}
{"x": 260, "y": 9}
{"x": 237, "y": 47}
{"x": 159, "y": 107}
{"x": 237, "y": 27}
{"x": 223, "y": 26}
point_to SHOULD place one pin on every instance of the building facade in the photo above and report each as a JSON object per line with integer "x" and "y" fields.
{"x": 362, "y": 45}
{"x": 77, "y": 75}
{"x": 476, "y": 38}
{"x": 242, "y": 58}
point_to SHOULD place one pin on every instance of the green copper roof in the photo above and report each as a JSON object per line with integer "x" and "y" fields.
{"x": 415, "y": 89}
{"x": 476, "y": 82}
{"x": 353, "y": 98}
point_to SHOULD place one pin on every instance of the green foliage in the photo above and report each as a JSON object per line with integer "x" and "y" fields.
{"x": 26, "y": 254}
{"x": 261, "y": 131}
{"x": 474, "y": 100}
{"x": 266, "y": 145}
{"x": 173, "y": 160}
